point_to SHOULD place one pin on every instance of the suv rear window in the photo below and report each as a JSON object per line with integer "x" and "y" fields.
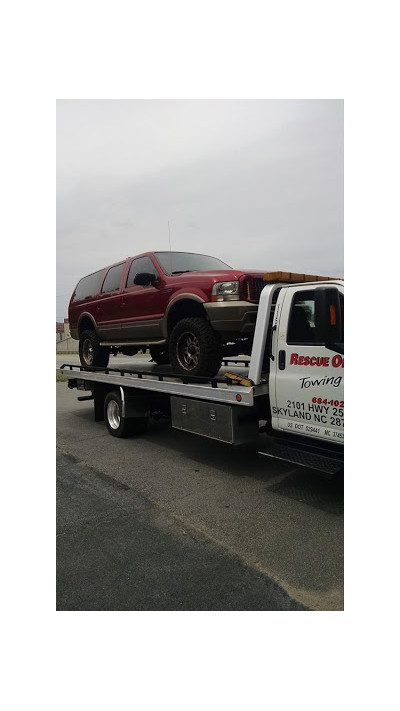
{"x": 113, "y": 279}
{"x": 87, "y": 286}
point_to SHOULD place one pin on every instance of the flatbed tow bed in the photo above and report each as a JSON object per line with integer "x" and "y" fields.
{"x": 242, "y": 399}
{"x": 221, "y": 388}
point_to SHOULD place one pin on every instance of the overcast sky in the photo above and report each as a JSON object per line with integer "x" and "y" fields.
{"x": 258, "y": 184}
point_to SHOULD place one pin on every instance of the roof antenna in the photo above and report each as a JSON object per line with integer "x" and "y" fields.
{"x": 170, "y": 251}
{"x": 169, "y": 235}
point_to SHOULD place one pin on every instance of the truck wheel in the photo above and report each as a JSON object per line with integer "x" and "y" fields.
{"x": 91, "y": 353}
{"x": 194, "y": 348}
{"x": 160, "y": 354}
{"x": 117, "y": 425}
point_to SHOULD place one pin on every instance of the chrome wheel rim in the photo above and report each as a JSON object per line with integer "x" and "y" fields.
{"x": 113, "y": 414}
{"x": 87, "y": 350}
{"x": 188, "y": 351}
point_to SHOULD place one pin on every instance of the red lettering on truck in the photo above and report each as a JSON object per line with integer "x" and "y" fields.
{"x": 338, "y": 361}
{"x": 323, "y": 362}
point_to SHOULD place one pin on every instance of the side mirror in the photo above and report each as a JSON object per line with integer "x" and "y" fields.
{"x": 329, "y": 318}
{"x": 145, "y": 279}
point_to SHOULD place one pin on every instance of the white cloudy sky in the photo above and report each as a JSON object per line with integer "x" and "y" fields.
{"x": 258, "y": 184}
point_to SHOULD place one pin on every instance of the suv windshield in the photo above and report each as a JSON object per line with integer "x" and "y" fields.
{"x": 180, "y": 262}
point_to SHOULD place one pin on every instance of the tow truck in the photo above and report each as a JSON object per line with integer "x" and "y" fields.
{"x": 288, "y": 397}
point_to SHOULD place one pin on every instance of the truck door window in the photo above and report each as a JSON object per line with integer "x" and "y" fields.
{"x": 113, "y": 279}
{"x": 301, "y": 329}
{"x": 341, "y": 298}
{"x": 140, "y": 266}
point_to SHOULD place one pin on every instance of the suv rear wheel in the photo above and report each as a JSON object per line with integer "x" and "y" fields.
{"x": 91, "y": 353}
{"x": 194, "y": 348}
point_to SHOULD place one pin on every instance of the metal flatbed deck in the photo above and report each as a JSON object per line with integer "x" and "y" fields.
{"x": 162, "y": 380}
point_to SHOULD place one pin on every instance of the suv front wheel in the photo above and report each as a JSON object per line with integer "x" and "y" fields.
{"x": 91, "y": 353}
{"x": 194, "y": 348}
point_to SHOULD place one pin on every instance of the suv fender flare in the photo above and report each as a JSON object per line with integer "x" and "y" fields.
{"x": 180, "y": 297}
{"x": 85, "y": 315}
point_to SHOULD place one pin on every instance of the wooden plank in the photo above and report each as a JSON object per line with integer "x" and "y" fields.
{"x": 293, "y": 277}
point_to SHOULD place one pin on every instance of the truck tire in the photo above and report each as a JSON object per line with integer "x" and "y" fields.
{"x": 194, "y": 348}
{"x": 91, "y": 353}
{"x": 160, "y": 354}
{"x": 117, "y": 425}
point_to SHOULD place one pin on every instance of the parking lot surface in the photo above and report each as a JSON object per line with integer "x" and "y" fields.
{"x": 173, "y": 521}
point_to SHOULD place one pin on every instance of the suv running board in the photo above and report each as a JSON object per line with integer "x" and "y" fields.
{"x": 328, "y": 464}
{"x": 148, "y": 342}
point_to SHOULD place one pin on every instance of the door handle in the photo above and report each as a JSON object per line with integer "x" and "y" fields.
{"x": 282, "y": 360}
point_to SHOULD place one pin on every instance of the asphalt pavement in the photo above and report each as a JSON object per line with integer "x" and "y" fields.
{"x": 118, "y": 551}
{"x": 171, "y": 521}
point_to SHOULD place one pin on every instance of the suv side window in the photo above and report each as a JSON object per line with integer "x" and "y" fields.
{"x": 87, "y": 287}
{"x": 138, "y": 266}
{"x": 113, "y": 279}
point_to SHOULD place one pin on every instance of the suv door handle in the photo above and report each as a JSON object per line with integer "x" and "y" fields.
{"x": 282, "y": 360}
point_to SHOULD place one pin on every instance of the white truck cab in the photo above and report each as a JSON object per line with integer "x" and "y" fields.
{"x": 308, "y": 374}
{"x": 304, "y": 344}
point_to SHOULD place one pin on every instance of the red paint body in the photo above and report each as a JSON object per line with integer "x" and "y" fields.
{"x": 131, "y": 305}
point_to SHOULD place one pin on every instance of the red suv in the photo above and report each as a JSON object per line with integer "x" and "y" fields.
{"x": 190, "y": 310}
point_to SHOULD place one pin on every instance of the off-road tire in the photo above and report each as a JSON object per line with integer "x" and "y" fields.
{"x": 117, "y": 425}
{"x": 91, "y": 353}
{"x": 199, "y": 332}
{"x": 160, "y": 354}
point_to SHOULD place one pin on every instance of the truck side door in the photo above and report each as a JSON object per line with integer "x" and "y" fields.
{"x": 307, "y": 377}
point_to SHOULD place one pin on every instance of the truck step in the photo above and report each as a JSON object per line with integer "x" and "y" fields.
{"x": 327, "y": 464}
